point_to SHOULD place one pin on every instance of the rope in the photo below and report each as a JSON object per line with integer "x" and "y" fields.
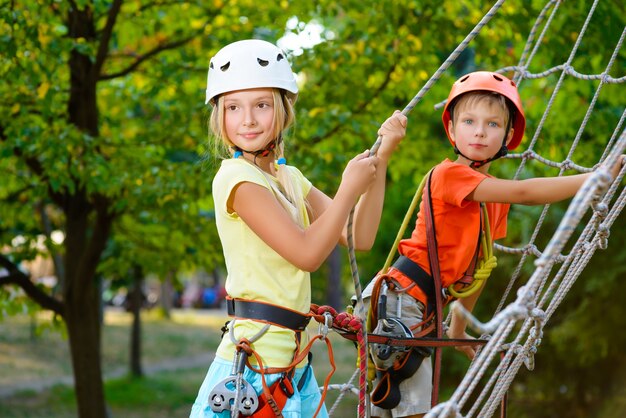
{"x": 486, "y": 264}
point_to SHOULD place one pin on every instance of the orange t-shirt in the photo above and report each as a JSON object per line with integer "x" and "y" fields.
{"x": 457, "y": 223}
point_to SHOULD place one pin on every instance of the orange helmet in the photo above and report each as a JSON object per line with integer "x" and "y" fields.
{"x": 488, "y": 81}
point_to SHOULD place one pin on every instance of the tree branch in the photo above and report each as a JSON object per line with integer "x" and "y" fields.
{"x": 146, "y": 56}
{"x": 18, "y": 278}
{"x": 160, "y": 4}
{"x": 16, "y": 193}
{"x": 103, "y": 48}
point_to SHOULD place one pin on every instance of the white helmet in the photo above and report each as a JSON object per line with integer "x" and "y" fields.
{"x": 249, "y": 64}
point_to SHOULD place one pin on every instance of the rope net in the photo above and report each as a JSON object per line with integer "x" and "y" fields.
{"x": 516, "y": 329}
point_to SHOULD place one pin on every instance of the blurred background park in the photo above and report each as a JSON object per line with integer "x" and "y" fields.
{"x": 111, "y": 272}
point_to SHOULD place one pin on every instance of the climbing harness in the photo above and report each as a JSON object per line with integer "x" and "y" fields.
{"x": 234, "y": 393}
{"x": 394, "y": 364}
{"x": 268, "y": 313}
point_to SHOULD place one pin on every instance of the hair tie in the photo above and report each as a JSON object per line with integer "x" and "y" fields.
{"x": 281, "y": 161}
{"x": 237, "y": 154}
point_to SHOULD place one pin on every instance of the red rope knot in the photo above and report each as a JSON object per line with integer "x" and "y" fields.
{"x": 318, "y": 312}
{"x": 341, "y": 320}
{"x": 348, "y": 322}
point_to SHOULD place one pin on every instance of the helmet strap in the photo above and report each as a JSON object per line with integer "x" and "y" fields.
{"x": 258, "y": 153}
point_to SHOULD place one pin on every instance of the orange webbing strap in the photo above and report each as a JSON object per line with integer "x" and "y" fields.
{"x": 373, "y": 311}
{"x": 269, "y": 394}
{"x": 272, "y": 402}
{"x": 273, "y": 399}
{"x": 345, "y": 322}
{"x": 433, "y": 259}
{"x": 328, "y": 376}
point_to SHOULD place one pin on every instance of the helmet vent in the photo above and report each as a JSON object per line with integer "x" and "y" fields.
{"x": 225, "y": 66}
{"x": 262, "y": 63}
{"x": 464, "y": 79}
{"x": 211, "y": 65}
{"x": 279, "y": 57}
{"x": 496, "y": 77}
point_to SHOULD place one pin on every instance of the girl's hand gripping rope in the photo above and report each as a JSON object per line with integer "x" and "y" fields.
{"x": 359, "y": 174}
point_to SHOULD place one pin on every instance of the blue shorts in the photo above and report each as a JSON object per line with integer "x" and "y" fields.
{"x": 303, "y": 403}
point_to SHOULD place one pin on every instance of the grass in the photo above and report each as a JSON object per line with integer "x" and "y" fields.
{"x": 188, "y": 334}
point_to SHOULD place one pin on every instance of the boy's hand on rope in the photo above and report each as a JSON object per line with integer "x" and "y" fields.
{"x": 468, "y": 350}
{"x": 360, "y": 173}
{"x": 392, "y": 132}
{"x": 618, "y": 166}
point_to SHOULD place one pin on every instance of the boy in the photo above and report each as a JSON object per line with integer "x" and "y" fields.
{"x": 483, "y": 119}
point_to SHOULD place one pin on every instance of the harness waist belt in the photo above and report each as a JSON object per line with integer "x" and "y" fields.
{"x": 413, "y": 271}
{"x": 261, "y": 311}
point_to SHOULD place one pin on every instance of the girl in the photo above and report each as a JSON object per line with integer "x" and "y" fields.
{"x": 275, "y": 228}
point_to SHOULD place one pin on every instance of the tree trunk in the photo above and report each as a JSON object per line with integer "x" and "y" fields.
{"x": 83, "y": 326}
{"x": 88, "y": 223}
{"x": 167, "y": 294}
{"x": 136, "y": 301}
{"x": 87, "y": 231}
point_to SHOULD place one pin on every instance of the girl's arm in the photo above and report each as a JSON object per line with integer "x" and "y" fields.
{"x": 305, "y": 248}
{"x": 370, "y": 206}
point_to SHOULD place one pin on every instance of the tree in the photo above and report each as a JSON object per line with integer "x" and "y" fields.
{"x": 100, "y": 103}
{"x": 101, "y": 123}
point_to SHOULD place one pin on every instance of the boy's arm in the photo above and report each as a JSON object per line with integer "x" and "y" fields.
{"x": 535, "y": 191}
{"x": 458, "y": 324}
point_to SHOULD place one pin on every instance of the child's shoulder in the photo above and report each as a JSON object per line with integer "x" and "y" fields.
{"x": 232, "y": 166}
{"x": 451, "y": 168}
{"x": 452, "y": 174}
{"x": 236, "y": 170}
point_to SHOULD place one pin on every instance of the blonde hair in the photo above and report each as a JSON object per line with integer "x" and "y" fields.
{"x": 284, "y": 118}
{"x": 472, "y": 98}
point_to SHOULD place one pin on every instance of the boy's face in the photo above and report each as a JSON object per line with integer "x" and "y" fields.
{"x": 478, "y": 129}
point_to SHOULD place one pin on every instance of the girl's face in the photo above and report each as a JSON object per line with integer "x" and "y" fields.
{"x": 478, "y": 130}
{"x": 249, "y": 118}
